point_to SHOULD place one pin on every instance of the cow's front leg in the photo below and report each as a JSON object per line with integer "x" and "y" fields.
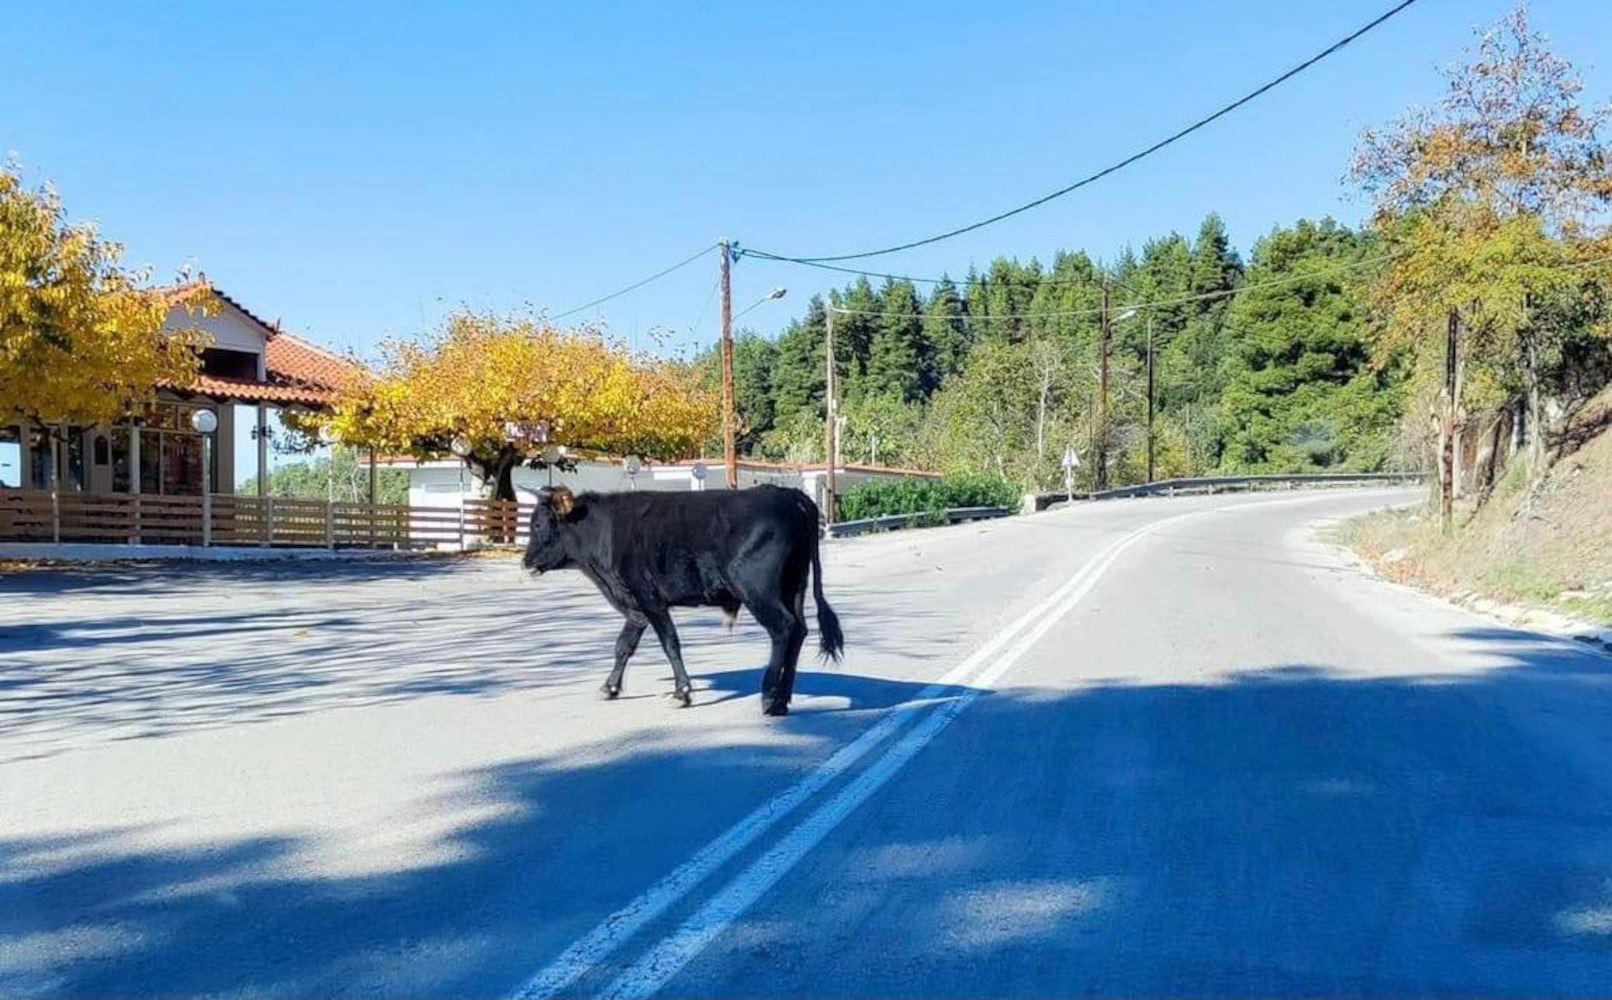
{"x": 626, "y": 644}
{"x": 666, "y": 632}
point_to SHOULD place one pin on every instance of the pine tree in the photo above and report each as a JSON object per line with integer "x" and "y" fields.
{"x": 898, "y": 353}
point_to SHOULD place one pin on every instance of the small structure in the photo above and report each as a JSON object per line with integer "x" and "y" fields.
{"x": 252, "y": 367}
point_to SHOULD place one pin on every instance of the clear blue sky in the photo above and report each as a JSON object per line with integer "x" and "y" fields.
{"x": 359, "y": 169}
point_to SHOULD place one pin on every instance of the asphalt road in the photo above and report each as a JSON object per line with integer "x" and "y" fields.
{"x": 1146, "y": 747}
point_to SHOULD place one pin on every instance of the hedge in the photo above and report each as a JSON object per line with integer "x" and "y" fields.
{"x": 916, "y": 496}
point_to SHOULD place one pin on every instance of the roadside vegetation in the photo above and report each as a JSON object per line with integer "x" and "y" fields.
{"x": 1548, "y": 544}
{"x": 929, "y": 496}
{"x": 1493, "y": 205}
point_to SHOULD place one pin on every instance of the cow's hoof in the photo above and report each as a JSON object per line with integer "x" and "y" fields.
{"x": 775, "y": 708}
{"x": 609, "y": 693}
{"x": 683, "y": 698}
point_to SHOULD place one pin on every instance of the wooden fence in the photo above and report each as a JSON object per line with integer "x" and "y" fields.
{"x": 231, "y": 520}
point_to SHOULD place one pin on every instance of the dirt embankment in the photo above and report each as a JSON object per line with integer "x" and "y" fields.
{"x": 1549, "y": 546}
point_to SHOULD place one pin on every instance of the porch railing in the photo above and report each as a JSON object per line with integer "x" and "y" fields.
{"x": 275, "y": 522}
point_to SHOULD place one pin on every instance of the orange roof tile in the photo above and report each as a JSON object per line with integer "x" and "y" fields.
{"x": 298, "y": 372}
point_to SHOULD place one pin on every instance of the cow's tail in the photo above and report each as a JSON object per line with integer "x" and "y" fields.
{"x": 828, "y": 623}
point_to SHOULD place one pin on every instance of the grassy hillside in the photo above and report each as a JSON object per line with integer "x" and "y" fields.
{"x": 1550, "y": 546}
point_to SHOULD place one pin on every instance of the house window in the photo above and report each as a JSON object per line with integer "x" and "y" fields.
{"x": 11, "y": 458}
{"x": 120, "y": 460}
{"x": 42, "y": 471}
{"x": 225, "y": 363}
{"x": 171, "y": 462}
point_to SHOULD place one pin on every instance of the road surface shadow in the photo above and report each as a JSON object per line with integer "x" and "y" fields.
{"x": 113, "y": 578}
{"x": 1281, "y": 830}
{"x": 818, "y": 691}
{"x": 179, "y": 651}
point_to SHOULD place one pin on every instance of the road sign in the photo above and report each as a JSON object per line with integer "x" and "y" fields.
{"x": 1071, "y": 458}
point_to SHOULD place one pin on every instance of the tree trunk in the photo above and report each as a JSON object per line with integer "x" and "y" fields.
{"x": 1041, "y": 422}
{"x": 1529, "y": 350}
{"x": 498, "y": 475}
{"x": 1447, "y": 424}
{"x": 1536, "y": 414}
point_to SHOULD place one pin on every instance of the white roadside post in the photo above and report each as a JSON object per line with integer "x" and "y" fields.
{"x": 1071, "y": 462}
{"x": 205, "y": 422}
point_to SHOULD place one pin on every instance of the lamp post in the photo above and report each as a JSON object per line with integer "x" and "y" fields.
{"x": 205, "y": 422}
{"x": 730, "y": 429}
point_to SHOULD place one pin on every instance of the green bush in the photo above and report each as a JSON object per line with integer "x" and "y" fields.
{"x": 926, "y": 496}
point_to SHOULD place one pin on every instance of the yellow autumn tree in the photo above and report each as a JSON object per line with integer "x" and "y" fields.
{"x": 511, "y": 387}
{"x": 81, "y": 340}
{"x": 1492, "y": 206}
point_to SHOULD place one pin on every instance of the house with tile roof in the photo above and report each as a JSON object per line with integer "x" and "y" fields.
{"x": 251, "y": 369}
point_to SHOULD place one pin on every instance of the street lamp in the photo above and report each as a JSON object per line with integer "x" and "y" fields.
{"x": 205, "y": 422}
{"x": 776, "y": 293}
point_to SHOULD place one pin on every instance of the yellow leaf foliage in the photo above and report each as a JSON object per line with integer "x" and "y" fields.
{"x": 80, "y": 341}
{"x": 483, "y": 372}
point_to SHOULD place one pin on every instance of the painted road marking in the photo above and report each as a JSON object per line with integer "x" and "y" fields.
{"x": 657, "y": 966}
{"x": 593, "y": 948}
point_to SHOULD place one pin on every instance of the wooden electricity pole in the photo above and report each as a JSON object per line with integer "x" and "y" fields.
{"x": 1101, "y": 471}
{"x": 1446, "y": 475}
{"x": 828, "y": 488}
{"x": 730, "y": 447}
{"x": 1150, "y": 402}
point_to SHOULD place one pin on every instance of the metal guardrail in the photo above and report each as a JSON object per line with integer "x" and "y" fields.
{"x": 1217, "y": 484}
{"x": 892, "y": 522}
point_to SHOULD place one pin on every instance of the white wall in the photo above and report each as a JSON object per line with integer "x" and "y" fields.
{"x": 229, "y": 327}
{"x": 437, "y": 484}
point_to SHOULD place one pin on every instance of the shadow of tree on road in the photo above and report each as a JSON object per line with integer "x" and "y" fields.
{"x": 182, "y": 649}
{"x": 1281, "y": 830}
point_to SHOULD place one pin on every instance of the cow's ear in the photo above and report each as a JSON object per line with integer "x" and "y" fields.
{"x": 563, "y": 501}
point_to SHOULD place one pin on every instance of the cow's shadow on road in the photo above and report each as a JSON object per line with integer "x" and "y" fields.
{"x": 815, "y": 690}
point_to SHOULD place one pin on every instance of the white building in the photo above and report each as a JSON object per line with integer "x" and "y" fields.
{"x": 444, "y": 483}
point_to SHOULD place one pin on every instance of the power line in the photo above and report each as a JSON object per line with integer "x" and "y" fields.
{"x": 1122, "y": 164}
{"x": 691, "y": 258}
{"x": 986, "y": 278}
{"x": 1093, "y": 311}
{"x": 694, "y": 330}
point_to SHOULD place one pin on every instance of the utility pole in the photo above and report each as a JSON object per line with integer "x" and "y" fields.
{"x": 829, "y": 423}
{"x": 730, "y": 447}
{"x": 1150, "y": 403}
{"x": 1452, "y": 336}
{"x": 1101, "y": 471}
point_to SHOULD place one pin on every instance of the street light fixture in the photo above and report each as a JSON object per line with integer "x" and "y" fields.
{"x": 776, "y": 293}
{"x": 205, "y": 422}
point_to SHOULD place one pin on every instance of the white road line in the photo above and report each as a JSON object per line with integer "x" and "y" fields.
{"x": 594, "y": 947}
{"x": 657, "y": 966}
{"x": 590, "y": 951}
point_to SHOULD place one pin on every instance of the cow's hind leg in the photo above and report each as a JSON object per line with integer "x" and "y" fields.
{"x": 666, "y": 632}
{"x": 787, "y": 632}
{"x": 626, "y": 644}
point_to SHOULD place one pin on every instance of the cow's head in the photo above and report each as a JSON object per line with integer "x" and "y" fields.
{"x": 552, "y": 520}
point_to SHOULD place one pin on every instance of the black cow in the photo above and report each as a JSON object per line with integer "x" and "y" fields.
{"x": 652, "y": 551}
